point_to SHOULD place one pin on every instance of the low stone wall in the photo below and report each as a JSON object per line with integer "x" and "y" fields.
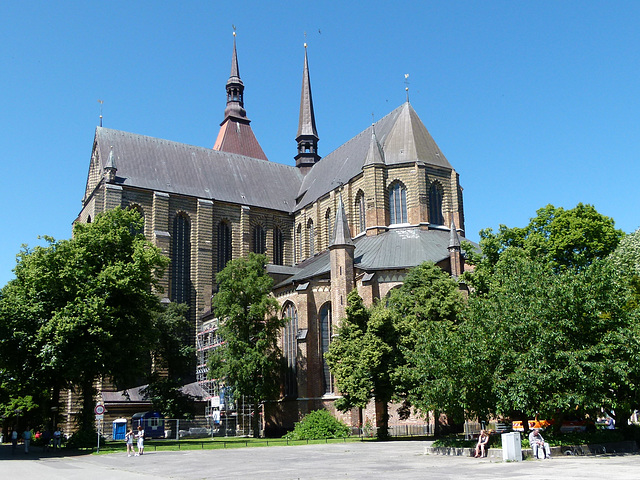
{"x": 496, "y": 453}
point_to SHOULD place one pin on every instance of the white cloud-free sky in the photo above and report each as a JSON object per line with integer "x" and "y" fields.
{"x": 532, "y": 102}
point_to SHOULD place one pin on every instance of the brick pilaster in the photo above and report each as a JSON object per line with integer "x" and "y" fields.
{"x": 204, "y": 256}
{"x": 161, "y": 235}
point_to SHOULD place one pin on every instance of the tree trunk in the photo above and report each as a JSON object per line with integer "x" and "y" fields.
{"x": 55, "y": 405}
{"x": 525, "y": 422}
{"x": 383, "y": 419}
{"x": 87, "y": 419}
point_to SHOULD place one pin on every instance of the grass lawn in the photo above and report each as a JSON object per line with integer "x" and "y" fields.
{"x": 113, "y": 446}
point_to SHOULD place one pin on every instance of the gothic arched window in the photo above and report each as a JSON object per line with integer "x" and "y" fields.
{"x": 312, "y": 236}
{"x": 299, "y": 244}
{"x": 327, "y": 221}
{"x": 436, "y": 193}
{"x": 326, "y": 331}
{"x": 259, "y": 239}
{"x": 224, "y": 244}
{"x": 278, "y": 247}
{"x": 397, "y": 203}
{"x": 290, "y": 349}
{"x": 181, "y": 260}
{"x": 361, "y": 223}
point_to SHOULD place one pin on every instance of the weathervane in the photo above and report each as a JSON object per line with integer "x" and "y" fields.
{"x": 100, "y": 102}
{"x": 406, "y": 85}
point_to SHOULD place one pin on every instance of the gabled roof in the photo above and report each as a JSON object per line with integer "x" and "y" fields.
{"x": 403, "y": 138}
{"x": 396, "y": 249}
{"x": 172, "y": 167}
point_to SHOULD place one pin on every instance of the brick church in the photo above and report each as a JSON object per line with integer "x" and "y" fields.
{"x": 359, "y": 217}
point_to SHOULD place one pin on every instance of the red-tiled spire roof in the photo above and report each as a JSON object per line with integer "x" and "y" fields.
{"x": 236, "y": 135}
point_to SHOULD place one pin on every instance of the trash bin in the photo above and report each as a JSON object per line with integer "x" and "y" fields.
{"x": 511, "y": 447}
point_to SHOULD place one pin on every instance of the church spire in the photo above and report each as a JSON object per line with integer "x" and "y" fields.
{"x": 307, "y": 137}
{"x": 235, "y": 88}
{"x": 341, "y": 230}
{"x": 236, "y": 135}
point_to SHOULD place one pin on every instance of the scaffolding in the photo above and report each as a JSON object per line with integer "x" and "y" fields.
{"x": 227, "y": 416}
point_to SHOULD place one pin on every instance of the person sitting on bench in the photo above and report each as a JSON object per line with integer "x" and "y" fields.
{"x": 537, "y": 442}
{"x": 483, "y": 440}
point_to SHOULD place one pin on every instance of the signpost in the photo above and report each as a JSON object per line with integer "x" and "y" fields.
{"x": 99, "y": 411}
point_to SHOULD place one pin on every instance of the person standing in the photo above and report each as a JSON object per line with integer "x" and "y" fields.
{"x": 129, "y": 439}
{"x": 57, "y": 437}
{"x": 14, "y": 440}
{"x": 140, "y": 437}
{"x": 26, "y": 436}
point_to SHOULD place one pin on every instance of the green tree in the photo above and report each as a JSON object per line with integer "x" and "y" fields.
{"x": 249, "y": 360}
{"x": 83, "y": 308}
{"x": 549, "y": 343}
{"x": 426, "y": 312}
{"x": 173, "y": 350}
{"x": 363, "y": 358}
{"x": 174, "y": 362}
{"x": 565, "y": 239}
{"x": 626, "y": 260}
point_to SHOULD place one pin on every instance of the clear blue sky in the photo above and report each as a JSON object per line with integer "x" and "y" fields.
{"x": 532, "y": 102}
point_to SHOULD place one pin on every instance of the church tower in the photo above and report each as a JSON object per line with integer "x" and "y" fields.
{"x": 236, "y": 135}
{"x": 341, "y": 254}
{"x": 307, "y": 137}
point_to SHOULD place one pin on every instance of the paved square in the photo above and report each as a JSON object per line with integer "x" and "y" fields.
{"x": 390, "y": 461}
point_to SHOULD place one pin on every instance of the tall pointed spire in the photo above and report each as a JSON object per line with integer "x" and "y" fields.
{"x": 307, "y": 137}
{"x": 456, "y": 261}
{"x": 375, "y": 155}
{"x": 341, "y": 230}
{"x": 236, "y": 135}
{"x": 235, "y": 88}
{"x": 454, "y": 239}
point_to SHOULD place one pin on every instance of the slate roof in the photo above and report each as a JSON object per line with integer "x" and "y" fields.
{"x": 172, "y": 167}
{"x": 135, "y": 394}
{"x": 395, "y": 249}
{"x": 403, "y": 138}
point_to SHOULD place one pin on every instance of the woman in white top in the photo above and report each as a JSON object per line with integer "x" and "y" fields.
{"x": 129, "y": 439}
{"x": 140, "y": 437}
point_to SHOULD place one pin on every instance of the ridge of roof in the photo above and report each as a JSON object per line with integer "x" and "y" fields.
{"x": 179, "y": 168}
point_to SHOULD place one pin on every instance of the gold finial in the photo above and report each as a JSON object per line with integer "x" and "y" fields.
{"x": 234, "y": 29}
{"x": 305, "y": 39}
